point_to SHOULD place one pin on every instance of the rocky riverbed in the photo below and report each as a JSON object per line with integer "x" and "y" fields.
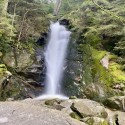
{"x": 59, "y": 112}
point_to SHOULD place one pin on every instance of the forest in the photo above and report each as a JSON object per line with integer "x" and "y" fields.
{"x": 94, "y": 71}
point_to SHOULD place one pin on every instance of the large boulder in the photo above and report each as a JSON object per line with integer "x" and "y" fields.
{"x": 81, "y": 107}
{"x": 5, "y": 75}
{"x": 116, "y": 117}
{"x": 89, "y": 107}
{"x": 85, "y": 107}
{"x": 95, "y": 121}
{"x": 116, "y": 103}
{"x": 17, "y": 113}
{"x": 23, "y": 59}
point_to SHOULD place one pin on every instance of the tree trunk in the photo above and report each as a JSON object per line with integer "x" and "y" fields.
{"x": 11, "y": 31}
{"x": 3, "y": 7}
{"x": 57, "y": 7}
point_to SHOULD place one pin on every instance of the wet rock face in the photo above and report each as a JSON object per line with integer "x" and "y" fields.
{"x": 29, "y": 77}
{"x": 42, "y": 40}
{"x": 64, "y": 22}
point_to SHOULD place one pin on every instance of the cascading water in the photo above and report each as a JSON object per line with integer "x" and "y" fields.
{"x": 55, "y": 58}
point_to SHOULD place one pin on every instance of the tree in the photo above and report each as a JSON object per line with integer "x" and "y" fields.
{"x": 3, "y": 7}
{"x": 57, "y": 7}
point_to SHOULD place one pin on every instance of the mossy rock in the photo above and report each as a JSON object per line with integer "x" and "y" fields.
{"x": 52, "y": 102}
{"x": 3, "y": 69}
{"x": 117, "y": 73}
{"x": 72, "y": 97}
{"x": 99, "y": 73}
{"x": 1, "y": 54}
{"x": 75, "y": 116}
{"x": 95, "y": 121}
{"x": 115, "y": 102}
{"x": 111, "y": 104}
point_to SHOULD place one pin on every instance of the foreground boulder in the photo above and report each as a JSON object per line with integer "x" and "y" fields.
{"x": 116, "y": 103}
{"x": 58, "y": 112}
{"x": 17, "y": 113}
{"x": 85, "y": 107}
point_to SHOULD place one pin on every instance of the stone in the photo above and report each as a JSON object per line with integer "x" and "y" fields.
{"x": 116, "y": 117}
{"x": 108, "y": 116}
{"x": 116, "y": 103}
{"x": 105, "y": 61}
{"x": 3, "y": 120}
{"x": 85, "y": 107}
{"x": 1, "y": 54}
{"x": 54, "y": 103}
{"x": 64, "y": 22}
{"x": 95, "y": 91}
{"x": 28, "y": 114}
{"x": 23, "y": 59}
{"x": 72, "y": 97}
{"x": 10, "y": 99}
{"x": 95, "y": 121}
{"x": 42, "y": 40}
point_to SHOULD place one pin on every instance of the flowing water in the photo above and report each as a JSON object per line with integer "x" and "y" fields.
{"x": 55, "y": 59}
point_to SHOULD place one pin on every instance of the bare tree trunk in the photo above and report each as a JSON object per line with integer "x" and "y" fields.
{"x": 24, "y": 16}
{"x": 14, "y": 47}
{"x": 4, "y": 7}
{"x": 13, "y": 19}
{"x": 57, "y": 7}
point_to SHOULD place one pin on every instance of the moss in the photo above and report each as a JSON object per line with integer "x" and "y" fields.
{"x": 1, "y": 54}
{"x": 98, "y": 55}
{"x": 72, "y": 97}
{"x": 87, "y": 62}
{"x": 93, "y": 38}
{"x": 3, "y": 69}
{"x": 75, "y": 115}
{"x": 104, "y": 123}
{"x": 112, "y": 57}
{"x": 51, "y": 102}
{"x": 94, "y": 72}
{"x": 117, "y": 73}
{"x": 111, "y": 104}
{"x": 90, "y": 121}
{"x": 99, "y": 73}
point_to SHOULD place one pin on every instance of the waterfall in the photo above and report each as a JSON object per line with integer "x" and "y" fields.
{"x": 55, "y": 59}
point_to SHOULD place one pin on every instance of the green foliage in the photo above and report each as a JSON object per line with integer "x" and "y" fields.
{"x": 101, "y": 22}
{"x": 75, "y": 115}
{"x": 3, "y": 69}
{"x": 5, "y": 28}
{"x": 117, "y": 73}
{"x": 104, "y": 123}
{"x": 99, "y": 73}
{"x": 100, "y": 25}
{"x": 32, "y": 19}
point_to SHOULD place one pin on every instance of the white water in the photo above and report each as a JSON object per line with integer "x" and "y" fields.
{"x": 55, "y": 59}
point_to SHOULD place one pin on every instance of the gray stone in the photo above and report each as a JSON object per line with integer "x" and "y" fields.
{"x": 116, "y": 102}
{"x": 86, "y": 107}
{"x": 95, "y": 121}
{"x": 17, "y": 113}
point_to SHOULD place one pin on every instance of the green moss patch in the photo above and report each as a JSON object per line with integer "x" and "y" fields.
{"x": 3, "y": 69}
{"x": 117, "y": 73}
{"x": 99, "y": 73}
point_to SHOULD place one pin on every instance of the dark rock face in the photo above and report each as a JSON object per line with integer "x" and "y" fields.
{"x": 42, "y": 40}
{"x": 64, "y": 22}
